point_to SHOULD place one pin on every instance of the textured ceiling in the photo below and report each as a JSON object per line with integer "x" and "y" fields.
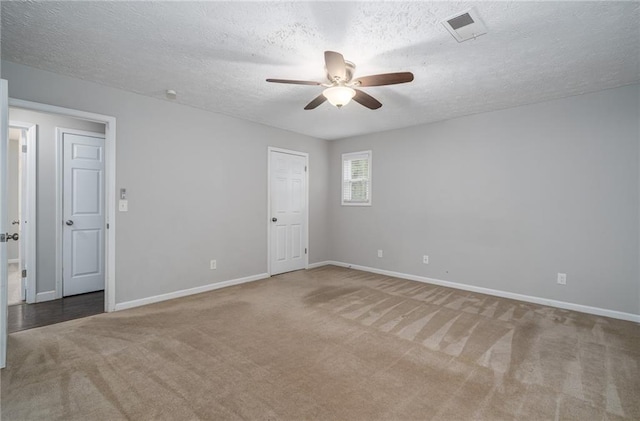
{"x": 217, "y": 55}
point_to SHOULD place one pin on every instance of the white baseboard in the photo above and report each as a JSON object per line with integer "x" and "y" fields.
{"x": 320, "y": 264}
{"x": 184, "y": 292}
{"x": 9, "y": 261}
{"x": 504, "y": 294}
{"x": 45, "y": 296}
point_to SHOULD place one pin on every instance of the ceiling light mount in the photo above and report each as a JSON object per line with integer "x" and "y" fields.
{"x": 171, "y": 94}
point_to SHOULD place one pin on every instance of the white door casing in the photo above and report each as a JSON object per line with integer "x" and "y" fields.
{"x": 288, "y": 211}
{"x": 83, "y": 212}
{"x": 4, "y": 139}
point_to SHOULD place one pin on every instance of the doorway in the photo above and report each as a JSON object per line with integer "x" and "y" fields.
{"x": 65, "y": 141}
{"x": 288, "y": 203}
{"x": 21, "y": 172}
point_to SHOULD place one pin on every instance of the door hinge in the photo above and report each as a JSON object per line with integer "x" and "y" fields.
{"x": 107, "y": 225}
{"x": 305, "y": 168}
{"x": 305, "y": 251}
{"x": 24, "y": 273}
{"x": 24, "y": 148}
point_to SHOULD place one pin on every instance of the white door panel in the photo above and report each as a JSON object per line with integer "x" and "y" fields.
{"x": 83, "y": 212}
{"x": 288, "y": 212}
{"x": 281, "y": 243}
{"x": 86, "y": 185}
{"x": 296, "y": 241}
{"x": 85, "y": 245}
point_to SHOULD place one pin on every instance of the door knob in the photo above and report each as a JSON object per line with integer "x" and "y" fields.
{"x": 69, "y": 222}
{"x": 13, "y": 236}
{"x": 274, "y": 219}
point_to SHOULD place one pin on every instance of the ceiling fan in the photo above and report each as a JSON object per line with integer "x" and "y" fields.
{"x": 342, "y": 87}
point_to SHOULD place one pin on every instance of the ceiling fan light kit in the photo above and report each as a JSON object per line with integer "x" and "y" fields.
{"x": 342, "y": 87}
{"x": 339, "y": 95}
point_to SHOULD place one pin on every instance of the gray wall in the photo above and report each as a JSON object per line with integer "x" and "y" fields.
{"x": 506, "y": 200}
{"x": 46, "y": 186}
{"x": 500, "y": 200}
{"x": 13, "y": 205}
{"x": 196, "y": 182}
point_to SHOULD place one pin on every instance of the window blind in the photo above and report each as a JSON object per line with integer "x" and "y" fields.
{"x": 356, "y": 178}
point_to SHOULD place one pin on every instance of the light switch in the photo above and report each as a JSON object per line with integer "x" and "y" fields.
{"x": 123, "y": 206}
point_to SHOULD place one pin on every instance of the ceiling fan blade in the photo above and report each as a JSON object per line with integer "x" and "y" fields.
{"x": 294, "y": 82}
{"x": 367, "y": 100}
{"x": 316, "y": 101}
{"x": 385, "y": 79}
{"x": 335, "y": 65}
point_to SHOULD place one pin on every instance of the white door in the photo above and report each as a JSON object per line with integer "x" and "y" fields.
{"x": 27, "y": 201}
{"x": 83, "y": 213}
{"x": 4, "y": 139}
{"x": 288, "y": 213}
{"x": 22, "y": 200}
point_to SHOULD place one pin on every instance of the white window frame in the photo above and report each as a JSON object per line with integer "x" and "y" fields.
{"x": 350, "y": 156}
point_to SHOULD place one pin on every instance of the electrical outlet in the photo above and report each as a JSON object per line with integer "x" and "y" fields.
{"x": 562, "y": 278}
{"x": 379, "y": 253}
{"x": 425, "y": 259}
{"x": 213, "y": 265}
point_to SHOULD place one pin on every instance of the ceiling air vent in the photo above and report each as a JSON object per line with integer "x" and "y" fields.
{"x": 465, "y": 25}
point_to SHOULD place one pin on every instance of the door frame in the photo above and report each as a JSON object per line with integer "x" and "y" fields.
{"x": 271, "y": 149}
{"x": 29, "y": 130}
{"x": 60, "y": 131}
{"x": 110, "y": 184}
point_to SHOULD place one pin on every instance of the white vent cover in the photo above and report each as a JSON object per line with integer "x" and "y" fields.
{"x": 465, "y": 25}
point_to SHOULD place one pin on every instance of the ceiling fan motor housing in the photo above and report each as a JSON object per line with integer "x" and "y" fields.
{"x": 349, "y": 70}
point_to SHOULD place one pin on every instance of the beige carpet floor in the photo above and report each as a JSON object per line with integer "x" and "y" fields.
{"x": 327, "y": 344}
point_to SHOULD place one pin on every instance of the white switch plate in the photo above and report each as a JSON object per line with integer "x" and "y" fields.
{"x": 123, "y": 205}
{"x": 562, "y": 278}
{"x": 213, "y": 265}
{"x": 379, "y": 253}
{"x": 425, "y": 259}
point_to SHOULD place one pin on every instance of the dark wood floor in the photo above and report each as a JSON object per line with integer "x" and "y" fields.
{"x": 28, "y": 316}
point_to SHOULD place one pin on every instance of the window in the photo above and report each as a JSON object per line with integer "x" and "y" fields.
{"x": 356, "y": 178}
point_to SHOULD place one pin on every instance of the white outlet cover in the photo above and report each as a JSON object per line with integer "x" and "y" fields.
{"x": 123, "y": 206}
{"x": 562, "y": 278}
{"x": 379, "y": 253}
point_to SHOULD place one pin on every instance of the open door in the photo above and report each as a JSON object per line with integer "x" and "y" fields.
{"x": 22, "y": 200}
{"x": 4, "y": 140}
{"x": 27, "y": 205}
